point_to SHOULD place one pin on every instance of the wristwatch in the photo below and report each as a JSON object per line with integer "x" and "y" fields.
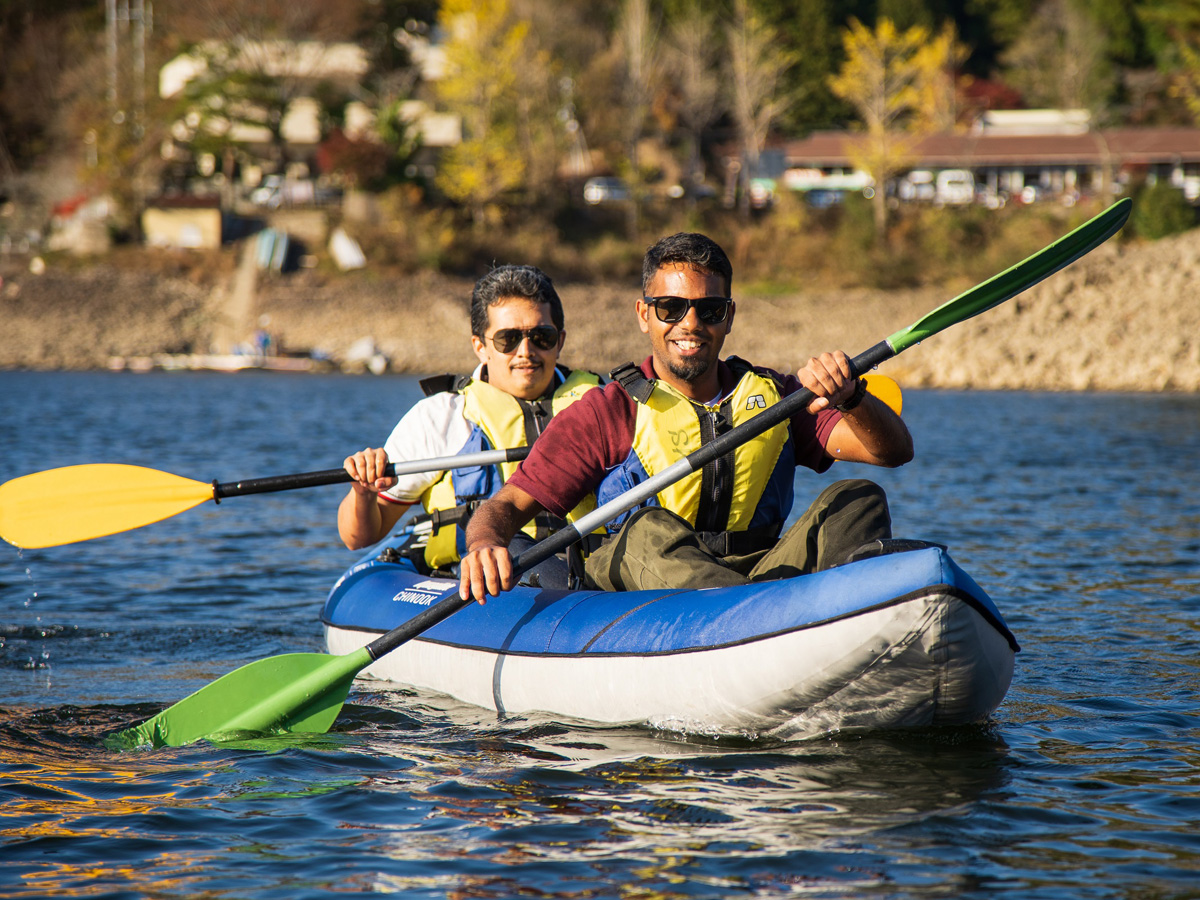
{"x": 860, "y": 391}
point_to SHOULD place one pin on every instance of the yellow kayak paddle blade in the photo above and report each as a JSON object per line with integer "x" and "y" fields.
{"x": 885, "y": 389}
{"x": 78, "y": 503}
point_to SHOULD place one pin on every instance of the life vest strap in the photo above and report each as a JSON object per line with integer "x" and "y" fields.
{"x": 630, "y": 377}
{"x": 441, "y": 384}
{"x": 442, "y": 517}
{"x": 461, "y": 514}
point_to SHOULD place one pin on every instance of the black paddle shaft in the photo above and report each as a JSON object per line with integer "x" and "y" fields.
{"x": 341, "y": 476}
{"x": 560, "y": 540}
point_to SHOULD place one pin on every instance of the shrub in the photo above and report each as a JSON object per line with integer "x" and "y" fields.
{"x": 1159, "y": 210}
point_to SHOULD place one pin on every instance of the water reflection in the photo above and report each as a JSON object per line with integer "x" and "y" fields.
{"x": 411, "y": 783}
{"x": 538, "y": 793}
{"x": 64, "y": 800}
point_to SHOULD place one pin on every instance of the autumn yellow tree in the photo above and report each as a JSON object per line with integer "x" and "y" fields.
{"x": 890, "y": 77}
{"x": 485, "y": 53}
{"x": 937, "y": 63}
{"x": 1185, "y": 83}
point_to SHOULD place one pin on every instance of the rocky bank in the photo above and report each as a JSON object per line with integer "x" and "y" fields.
{"x": 1125, "y": 318}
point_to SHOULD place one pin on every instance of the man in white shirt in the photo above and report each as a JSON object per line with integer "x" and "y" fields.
{"x": 517, "y": 335}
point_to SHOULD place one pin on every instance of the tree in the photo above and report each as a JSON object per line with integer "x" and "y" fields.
{"x": 938, "y": 62}
{"x": 1160, "y": 210}
{"x": 545, "y": 107}
{"x": 260, "y": 20}
{"x": 638, "y": 38}
{"x": 40, "y": 41}
{"x": 361, "y": 162}
{"x": 378, "y": 26}
{"x": 484, "y": 54}
{"x": 1185, "y": 82}
{"x": 809, "y": 31}
{"x": 692, "y": 52}
{"x": 1005, "y": 19}
{"x": 106, "y": 113}
{"x": 988, "y": 27}
{"x": 757, "y": 67}
{"x": 881, "y": 78}
{"x": 1060, "y": 60}
{"x": 1175, "y": 35}
{"x": 906, "y": 14}
{"x": 1125, "y": 34}
{"x": 581, "y": 83}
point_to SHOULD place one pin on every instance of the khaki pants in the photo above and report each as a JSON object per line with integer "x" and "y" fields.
{"x": 656, "y": 549}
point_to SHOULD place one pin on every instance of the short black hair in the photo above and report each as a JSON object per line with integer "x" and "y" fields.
{"x": 506, "y": 282}
{"x": 690, "y": 249}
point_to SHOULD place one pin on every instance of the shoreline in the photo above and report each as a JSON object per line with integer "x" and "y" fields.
{"x": 1124, "y": 318}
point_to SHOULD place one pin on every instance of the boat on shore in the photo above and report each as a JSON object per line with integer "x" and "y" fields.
{"x": 219, "y": 362}
{"x": 898, "y": 640}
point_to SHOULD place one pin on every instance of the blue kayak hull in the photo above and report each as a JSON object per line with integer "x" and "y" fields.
{"x": 901, "y": 640}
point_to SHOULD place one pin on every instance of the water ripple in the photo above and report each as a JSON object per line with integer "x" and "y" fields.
{"x": 1084, "y": 785}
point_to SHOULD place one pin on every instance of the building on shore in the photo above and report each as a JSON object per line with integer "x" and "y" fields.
{"x": 1030, "y": 155}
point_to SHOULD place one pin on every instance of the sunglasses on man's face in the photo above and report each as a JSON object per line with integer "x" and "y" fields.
{"x": 709, "y": 310}
{"x": 544, "y": 337}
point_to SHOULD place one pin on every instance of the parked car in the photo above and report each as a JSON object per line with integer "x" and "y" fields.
{"x": 916, "y": 185}
{"x": 823, "y": 199}
{"x": 604, "y": 189}
{"x": 762, "y": 192}
{"x": 1031, "y": 193}
{"x": 990, "y": 197}
{"x": 954, "y": 187}
{"x": 699, "y": 191}
{"x": 276, "y": 192}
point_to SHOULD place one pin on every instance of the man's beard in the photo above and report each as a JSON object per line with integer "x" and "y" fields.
{"x": 688, "y": 370}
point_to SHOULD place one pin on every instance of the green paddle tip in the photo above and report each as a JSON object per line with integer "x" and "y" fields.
{"x": 297, "y": 692}
{"x": 1024, "y": 275}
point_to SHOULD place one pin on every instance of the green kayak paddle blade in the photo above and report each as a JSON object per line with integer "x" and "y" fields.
{"x": 296, "y": 692}
{"x": 1024, "y": 275}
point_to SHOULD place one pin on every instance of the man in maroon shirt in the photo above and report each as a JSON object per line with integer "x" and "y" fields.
{"x": 719, "y": 526}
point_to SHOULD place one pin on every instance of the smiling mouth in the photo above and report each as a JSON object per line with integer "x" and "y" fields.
{"x": 688, "y": 345}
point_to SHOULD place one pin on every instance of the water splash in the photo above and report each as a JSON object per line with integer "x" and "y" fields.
{"x": 29, "y": 577}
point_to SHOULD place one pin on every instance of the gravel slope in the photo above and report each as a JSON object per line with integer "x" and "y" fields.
{"x": 1125, "y": 318}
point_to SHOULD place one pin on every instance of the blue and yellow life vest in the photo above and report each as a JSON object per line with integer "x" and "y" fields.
{"x": 739, "y": 501}
{"x": 500, "y": 420}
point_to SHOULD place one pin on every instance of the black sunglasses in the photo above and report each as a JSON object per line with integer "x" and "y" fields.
{"x": 544, "y": 337}
{"x": 709, "y": 310}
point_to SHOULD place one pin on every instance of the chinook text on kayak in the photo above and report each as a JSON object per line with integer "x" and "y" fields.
{"x": 423, "y": 593}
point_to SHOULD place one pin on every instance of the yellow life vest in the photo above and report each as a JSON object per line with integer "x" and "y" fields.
{"x": 501, "y": 421}
{"x": 750, "y": 489}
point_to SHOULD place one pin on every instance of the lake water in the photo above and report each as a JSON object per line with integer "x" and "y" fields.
{"x": 1080, "y": 514}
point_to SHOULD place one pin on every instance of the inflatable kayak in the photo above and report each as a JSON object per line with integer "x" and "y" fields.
{"x": 896, "y": 640}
